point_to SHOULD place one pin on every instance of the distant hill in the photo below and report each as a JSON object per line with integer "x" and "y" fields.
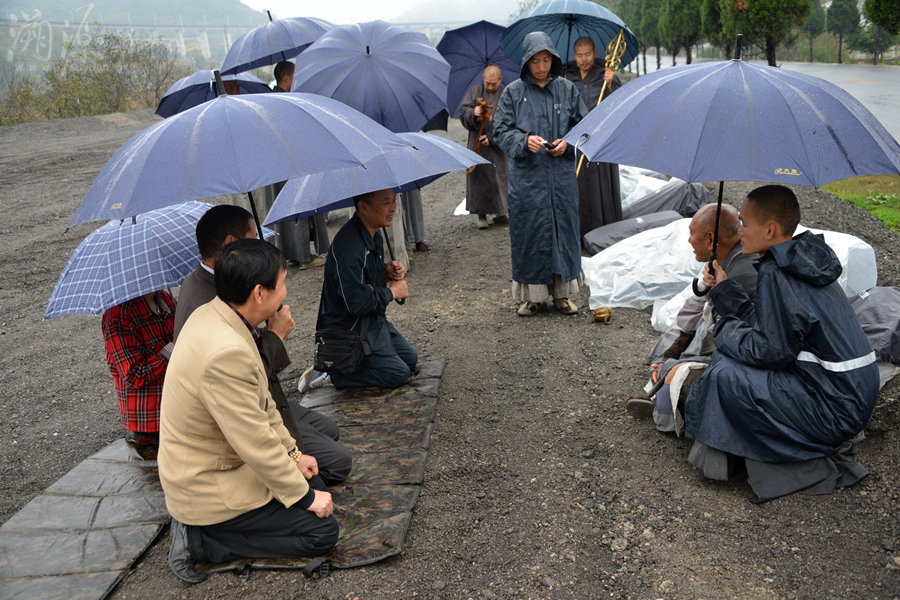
{"x": 139, "y": 13}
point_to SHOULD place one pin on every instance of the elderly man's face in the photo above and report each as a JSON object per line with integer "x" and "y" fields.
{"x": 701, "y": 239}
{"x": 492, "y": 84}
{"x": 585, "y": 57}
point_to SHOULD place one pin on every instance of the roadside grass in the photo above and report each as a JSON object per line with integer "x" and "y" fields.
{"x": 878, "y": 194}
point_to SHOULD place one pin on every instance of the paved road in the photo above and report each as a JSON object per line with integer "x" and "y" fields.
{"x": 877, "y": 87}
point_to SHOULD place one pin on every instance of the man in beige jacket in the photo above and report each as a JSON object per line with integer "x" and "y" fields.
{"x": 235, "y": 483}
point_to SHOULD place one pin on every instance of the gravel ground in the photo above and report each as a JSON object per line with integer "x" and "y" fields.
{"x": 538, "y": 485}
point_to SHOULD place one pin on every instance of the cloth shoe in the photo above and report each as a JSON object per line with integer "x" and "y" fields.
{"x": 318, "y": 261}
{"x": 422, "y": 246}
{"x": 306, "y": 379}
{"x": 639, "y": 408}
{"x": 320, "y": 380}
{"x": 565, "y": 306}
{"x": 529, "y": 308}
{"x": 180, "y": 560}
{"x": 482, "y": 222}
{"x": 501, "y": 220}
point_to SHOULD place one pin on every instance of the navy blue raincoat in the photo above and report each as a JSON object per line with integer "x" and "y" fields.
{"x": 543, "y": 192}
{"x": 794, "y": 375}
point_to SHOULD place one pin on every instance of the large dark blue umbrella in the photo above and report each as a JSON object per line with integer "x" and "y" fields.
{"x": 268, "y": 44}
{"x": 427, "y": 158}
{"x": 232, "y": 145}
{"x": 388, "y": 73}
{"x": 737, "y": 121}
{"x": 565, "y": 21}
{"x": 200, "y": 87}
{"x": 469, "y": 50}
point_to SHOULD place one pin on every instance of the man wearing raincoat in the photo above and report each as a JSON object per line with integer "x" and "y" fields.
{"x": 533, "y": 114}
{"x": 794, "y": 377}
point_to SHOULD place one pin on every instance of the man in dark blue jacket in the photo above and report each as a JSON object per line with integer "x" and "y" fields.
{"x": 794, "y": 376}
{"x": 359, "y": 284}
{"x": 533, "y": 114}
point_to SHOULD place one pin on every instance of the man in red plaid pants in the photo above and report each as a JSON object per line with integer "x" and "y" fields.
{"x": 138, "y": 336}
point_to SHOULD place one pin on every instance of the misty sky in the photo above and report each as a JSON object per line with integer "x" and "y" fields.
{"x": 357, "y": 11}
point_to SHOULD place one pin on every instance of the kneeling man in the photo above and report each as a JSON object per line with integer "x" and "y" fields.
{"x": 794, "y": 376}
{"x": 359, "y": 286}
{"x": 235, "y": 482}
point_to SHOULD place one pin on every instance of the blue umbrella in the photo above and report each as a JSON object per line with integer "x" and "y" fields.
{"x": 123, "y": 260}
{"x": 277, "y": 40}
{"x": 390, "y": 74}
{"x": 469, "y": 50}
{"x": 200, "y": 87}
{"x": 231, "y": 145}
{"x": 737, "y": 121}
{"x": 428, "y": 158}
{"x": 565, "y": 21}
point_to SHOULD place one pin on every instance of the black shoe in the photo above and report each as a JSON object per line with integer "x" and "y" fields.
{"x": 180, "y": 560}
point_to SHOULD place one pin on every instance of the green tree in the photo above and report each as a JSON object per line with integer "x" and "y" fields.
{"x": 679, "y": 25}
{"x": 815, "y": 25}
{"x": 630, "y": 13}
{"x": 871, "y": 39}
{"x": 885, "y": 13}
{"x": 650, "y": 27}
{"x": 711, "y": 26}
{"x": 842, "y": 19}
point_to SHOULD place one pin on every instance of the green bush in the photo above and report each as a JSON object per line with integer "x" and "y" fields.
{"x": 886, "y": 207}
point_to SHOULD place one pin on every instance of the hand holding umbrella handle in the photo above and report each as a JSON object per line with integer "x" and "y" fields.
{"x": 400, "y": 301}
{"x": 614, "y": 52}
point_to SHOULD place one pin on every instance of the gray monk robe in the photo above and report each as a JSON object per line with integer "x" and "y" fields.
{"x": 486, "y": 186}
{"x": 599, "y": 200}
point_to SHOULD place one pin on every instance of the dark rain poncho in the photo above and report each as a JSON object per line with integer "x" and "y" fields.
{"x": 543, "y": 193}
{"x": 794, "y": 375}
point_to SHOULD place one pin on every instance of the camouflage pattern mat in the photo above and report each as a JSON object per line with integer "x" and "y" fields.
{"x": 79, "y": 538}
{"x": 388, "y": 432}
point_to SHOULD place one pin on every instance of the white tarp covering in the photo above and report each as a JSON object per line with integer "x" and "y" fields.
{"x": 654, "y": 266}
{"x": 635, "y": 183}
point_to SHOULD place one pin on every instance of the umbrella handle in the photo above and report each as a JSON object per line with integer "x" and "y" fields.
{"x": 400, "y": 301}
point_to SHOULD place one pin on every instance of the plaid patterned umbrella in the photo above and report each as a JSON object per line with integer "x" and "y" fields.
{"x": 123, "y": 260}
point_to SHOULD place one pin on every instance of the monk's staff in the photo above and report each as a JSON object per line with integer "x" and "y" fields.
{"x": 485, "y": 117}
{"x": 614, "y": 52}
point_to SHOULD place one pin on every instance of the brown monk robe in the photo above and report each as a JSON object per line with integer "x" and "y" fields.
{"x": 486, "y": 186}
{"x": 599, "y": 199}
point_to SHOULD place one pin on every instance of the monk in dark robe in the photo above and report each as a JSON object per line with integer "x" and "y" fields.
{"x": 599, "y": 200}
{"x": 486, "y": 185}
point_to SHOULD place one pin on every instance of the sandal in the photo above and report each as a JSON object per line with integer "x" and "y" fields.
{"x": 565, "y": 306}
{"x": 529, "y": 308}
{"x": 604, "y": 314}
{"x": 422, "y": 246}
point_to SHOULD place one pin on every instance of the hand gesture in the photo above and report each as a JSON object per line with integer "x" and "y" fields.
{"x": 308, "y": 466}
{"x": 559, "y": 148}
{"x": 394, "y": 270}
{"x": 711, "y": 281}
{"x": 321, "y": 505}
{"x": 535, "y": 143}
{"x": 484, "y": 140}
{"x": 399, "y": 289}
{"x": 654, "y": 372}
{"x": 479, "y": 111}
{"x": 282, "y": 324}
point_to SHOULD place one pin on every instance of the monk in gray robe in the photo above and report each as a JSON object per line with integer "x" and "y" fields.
{"x": 599, "y": 200}
{"x": 486, "y": 185}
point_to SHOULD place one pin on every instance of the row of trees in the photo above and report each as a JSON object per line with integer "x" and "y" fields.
{"x": 678, "y": 25}
{"x": 114, "y": 72}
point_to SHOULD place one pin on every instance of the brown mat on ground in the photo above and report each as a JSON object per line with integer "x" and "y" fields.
{"x": 388, "y": 432}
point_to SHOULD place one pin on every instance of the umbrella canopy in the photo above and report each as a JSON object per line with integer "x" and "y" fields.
{"x": 390, "y": 74}
{"x": 565, "y": 21}
{"x": 736, "y": 121}
{"x": 469, "y": 50}
{"x": 428, "y": 158}
{"x": 123, "y": 260}
{"x": 232, "y": 145}
{"x": 200, "y": 87}
{"x": 268, "y": 44}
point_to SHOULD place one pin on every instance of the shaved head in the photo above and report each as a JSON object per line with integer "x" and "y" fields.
{"x": 584, "y": 41}
{"x": 493, "y": 71}
{"x": 701, "y": 231}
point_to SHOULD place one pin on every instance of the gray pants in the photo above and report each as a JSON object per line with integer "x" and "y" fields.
{"x": 413, "y": 215}
{"x": 293, "y": 237}
{"x": 320, "y": 440}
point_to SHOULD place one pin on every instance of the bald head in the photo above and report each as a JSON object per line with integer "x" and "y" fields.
{"x": 493, "y": 71}
{"x": 702, "y": 226}
{"x": 584, "y": 42}
{"x": 492, "y": 78}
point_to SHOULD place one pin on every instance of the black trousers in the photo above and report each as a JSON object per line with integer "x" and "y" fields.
{"x": 271, "y": 531}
